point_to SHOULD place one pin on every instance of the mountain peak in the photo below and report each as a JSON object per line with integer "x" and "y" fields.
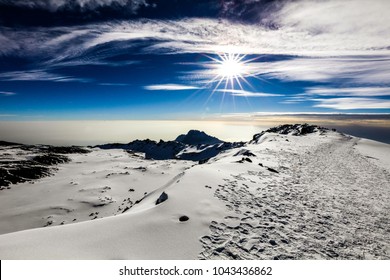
{"x": 196, "y": 137}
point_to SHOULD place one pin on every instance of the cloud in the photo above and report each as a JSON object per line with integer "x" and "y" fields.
{"x": 54, "y": 5}
{"x": 170, "y": 87}
{"x": 350, "y": 103}
{"x": 8, "y": 45}
{"x": 360, "y": 70}
{"x": 7, "y": 93}
{"x": 351, "y": 91}
{"x": 333, "y": 115}
{"x": 345, "y": 17}
{"x": 114, "y": 84}
{"x": 334, "y": 42}
{"x": 37, "y": 75}
{"x": 209, "y": 35}
{"x": 244, "y": 93}
{"x": 344, "y": 98}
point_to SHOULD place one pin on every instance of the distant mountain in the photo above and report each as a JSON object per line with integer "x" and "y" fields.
{"x": 196, "y": 137}
{"x": 152, "y": 149}
{"x": 195, "y": 145}
{"x": 5, "y": 143}
{"x": 198, "y": 146}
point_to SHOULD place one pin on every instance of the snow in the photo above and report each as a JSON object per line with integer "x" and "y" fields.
{"x": 317, "y": 195}
{"x": 377, "y": 152}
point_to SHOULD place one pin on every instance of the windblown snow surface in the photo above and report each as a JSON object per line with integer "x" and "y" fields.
{"x": 284, "y": 195}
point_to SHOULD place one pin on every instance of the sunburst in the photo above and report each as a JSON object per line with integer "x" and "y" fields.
{"x": 229, "y": 70}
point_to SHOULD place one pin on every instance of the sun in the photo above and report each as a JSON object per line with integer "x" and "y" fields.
{"x": 230, "y": 66}
{"x": 228, "y": 70}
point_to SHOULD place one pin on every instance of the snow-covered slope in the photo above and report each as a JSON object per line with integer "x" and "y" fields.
{"x": 22, "y": 163}
{"x": 313, "y": 195}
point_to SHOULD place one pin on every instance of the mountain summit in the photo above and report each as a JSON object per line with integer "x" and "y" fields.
{"x": 196, "y": 137}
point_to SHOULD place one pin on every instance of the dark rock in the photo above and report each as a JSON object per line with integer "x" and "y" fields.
{"x": 331, "y": 254}
{"x": 283, "y": 257}
{"x": 244, "y": 152}
{"x": 67, "y": 150}
{"x": 50, "y": 159}
{"x": 22, "y": 173}
{"x": 13, "y": 171}
{"x": 162, "y": 198}
{"x": 272, "y": 242}
{"x": 184, "y": 218}
{"x": 272, "y": 170}
{"x": 220, "y": 249}
{"x": 248, "y": 159}
{"x": 242, "y": 160}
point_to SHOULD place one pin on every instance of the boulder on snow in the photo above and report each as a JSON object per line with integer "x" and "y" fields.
{"x": 272, "y": 170}
{"x": 184, "y": 218}
{"x": 162, "y": 198}
{"x": 244, "y": 152}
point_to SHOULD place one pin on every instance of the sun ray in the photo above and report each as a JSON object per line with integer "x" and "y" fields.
{"x": 229, "y": 72}
{"x": 229, "y": 69}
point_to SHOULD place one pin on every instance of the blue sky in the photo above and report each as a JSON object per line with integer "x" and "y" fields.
{"x": 143, "y": 60}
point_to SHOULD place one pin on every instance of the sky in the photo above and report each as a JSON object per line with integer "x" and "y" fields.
{"x": 78, "y": 60}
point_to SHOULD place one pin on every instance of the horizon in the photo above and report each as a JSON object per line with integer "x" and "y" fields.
{"x": 229, "y": 129}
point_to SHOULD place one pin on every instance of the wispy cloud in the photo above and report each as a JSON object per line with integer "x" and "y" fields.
{"x": 344, "y": 98}
{"x": 331, "y": 41}
{"x": 351, "y": 91}
{"x": 336, "y": 119}
{"x": 114, "y": 84}
{"x": 244, "y": 93}
{"x": 54, "y": 5}
{"x": 7, "y": 93}
{"x": 352, "y": 70}
{"x": 350, "y": 103}
{"x": 170, "y": 87}
{"x": 38, "y": 75}
{"x": 354, "y": 28}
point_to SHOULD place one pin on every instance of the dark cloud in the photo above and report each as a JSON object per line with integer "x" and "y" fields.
{"x": 54, "y": 5}
{"x": 71, "y": 12}
{"x": 65, "y": 12}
